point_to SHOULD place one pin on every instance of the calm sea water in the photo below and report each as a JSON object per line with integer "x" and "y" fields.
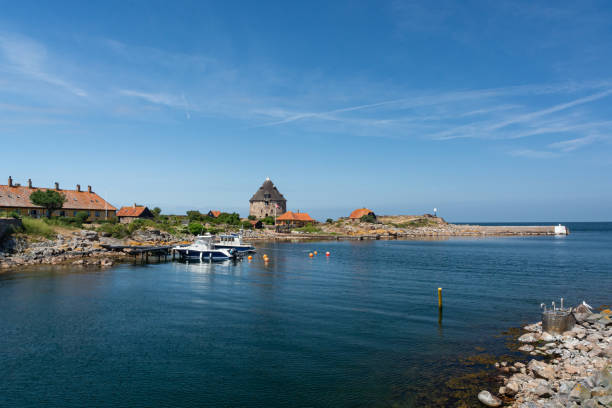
{"x": 357, "y": 329}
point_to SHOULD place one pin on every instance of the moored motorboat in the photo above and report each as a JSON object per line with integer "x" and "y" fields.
{"x": 204, "y": 249}
{"x": 233, "y": 241}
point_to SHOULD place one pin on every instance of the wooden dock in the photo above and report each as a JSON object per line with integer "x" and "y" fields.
{"x": 145, "y": 252}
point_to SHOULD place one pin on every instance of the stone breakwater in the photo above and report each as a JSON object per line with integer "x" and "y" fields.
{"x": 82, "y": 247}
{"x": 394, "y": 227}
{"x": 572, "y": 369}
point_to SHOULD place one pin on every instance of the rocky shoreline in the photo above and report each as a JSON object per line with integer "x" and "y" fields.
{"x": 87, "y": 246}
{"x": 81, "y": 247}
{"x": 572, "y": 369}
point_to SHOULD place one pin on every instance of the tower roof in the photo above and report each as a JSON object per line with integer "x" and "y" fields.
{"x": 267, "y": 192}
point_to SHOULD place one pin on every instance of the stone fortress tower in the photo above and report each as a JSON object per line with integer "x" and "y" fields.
{"x": 267, "y": 201}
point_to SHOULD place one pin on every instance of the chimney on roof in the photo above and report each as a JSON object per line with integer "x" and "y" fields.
{"x": 134, "y": 205}
{"x": 56, "y": 185}
{"x": 29, "y": 183}
{"x": 79, "y": 188}
{"x": 89, "y": 189}
{"x": 10, "y": 181}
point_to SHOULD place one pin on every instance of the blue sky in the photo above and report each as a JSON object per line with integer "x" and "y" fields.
{"x": 490, "y": 111}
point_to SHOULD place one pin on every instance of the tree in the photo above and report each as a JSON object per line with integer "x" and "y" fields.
{"x": 329, "y": 221}
{"x": 252, "y": 217}
{"x": 368, "y": 218}
{"x": 81, "y": 216}
{"x": 196, "y": 228}
{"x": 194, "y": 215}
{"x": 156, "y": 211}
{"x": 268, "y": 220}
{"x": 231, "y": 219}
{"x": 51, "y": 200}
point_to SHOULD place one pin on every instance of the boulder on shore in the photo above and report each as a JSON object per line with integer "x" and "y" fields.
{"x": 489, "y": 399}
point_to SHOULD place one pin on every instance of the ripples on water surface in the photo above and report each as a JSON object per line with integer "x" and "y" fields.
{"x": 357, "y": 329}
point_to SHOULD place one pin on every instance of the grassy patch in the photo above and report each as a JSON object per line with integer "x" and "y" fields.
{"x": 66, "y": 222}
{"x": 309, "y": 229}
{"x": 38, "y": 227}
{"x": 114, "y": 230}
{"x": 419, "y": 223}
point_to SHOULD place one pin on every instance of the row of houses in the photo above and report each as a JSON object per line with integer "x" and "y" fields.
{"x": 266, "y": 202}
{"x": 15, "y": 198}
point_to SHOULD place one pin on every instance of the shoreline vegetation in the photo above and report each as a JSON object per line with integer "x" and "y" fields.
{"x": 73, "y": 240}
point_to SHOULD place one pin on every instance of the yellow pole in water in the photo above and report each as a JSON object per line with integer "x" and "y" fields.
{"x": 439, "y": 298}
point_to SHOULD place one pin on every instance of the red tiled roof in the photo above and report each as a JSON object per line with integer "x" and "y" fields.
{"x": 215, "y": 213}
{"x": 360, "y": 213}
{"x": 291, "y": 216}
{"x": 132, "y": 211}
{"x": 19, "y": 197}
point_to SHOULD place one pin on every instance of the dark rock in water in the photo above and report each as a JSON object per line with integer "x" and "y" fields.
{"x": 489, "y": 399}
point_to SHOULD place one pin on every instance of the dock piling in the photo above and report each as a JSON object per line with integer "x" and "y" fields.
{"x": 439, "y": 306}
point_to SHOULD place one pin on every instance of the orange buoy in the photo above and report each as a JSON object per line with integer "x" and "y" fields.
{"x": 311, "y": 254}
{"x": 250, "y": 257}
{"x": 315, "y": 252}
{"x": 327, "y": 253}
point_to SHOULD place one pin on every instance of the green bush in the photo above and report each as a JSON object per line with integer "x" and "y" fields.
{"x": 247, "y": 225}
{"x": 194, "y": 215}
{"x": 252, "y": 217}
{"x": 110, "y": 220}
{"x": 230, "y": 219}
{"x": 83, "y": 216}
{"x": 368, "y": 218}
{"x": 68, "y": 222}
{"x": 329, "y": 221}
{"x": 268, "y": 220}
{"x": 37, "y": 227}
{"x": 10, "y": 214}
{"x": 115, "y": 230}
{"x": 196, "y": 228}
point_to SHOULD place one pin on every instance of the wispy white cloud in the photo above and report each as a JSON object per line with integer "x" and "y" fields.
{"x": 164, "y": 99}
{"x": 140, "y": 80}
{"x": 573, "y": 144}
{"x": 29, "y": 58}
{"x": 156, "y": 98}
{"x": 553, "y": 109}
{"x": 534, "y": 154}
